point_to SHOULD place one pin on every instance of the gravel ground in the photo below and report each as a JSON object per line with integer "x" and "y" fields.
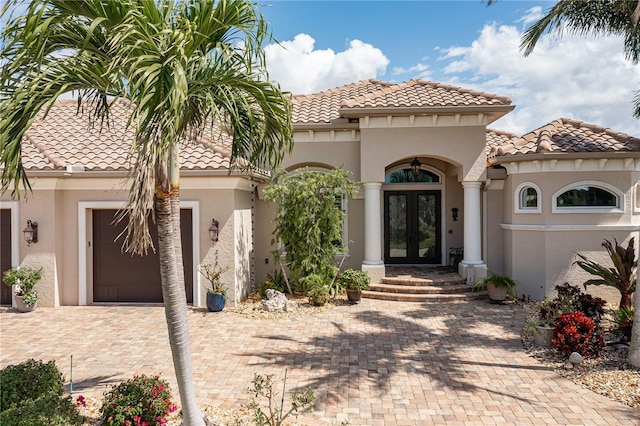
{"x": 609, "y": 374}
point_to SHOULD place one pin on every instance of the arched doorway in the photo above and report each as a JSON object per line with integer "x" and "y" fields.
{"x": 413, "y": 216}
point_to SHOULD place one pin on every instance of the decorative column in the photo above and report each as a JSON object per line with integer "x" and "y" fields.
{"x": 472, "y": 266}
{"x": 372, "y": 262}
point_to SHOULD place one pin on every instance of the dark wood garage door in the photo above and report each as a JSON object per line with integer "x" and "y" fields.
{"x": 5, "y": 253}
{"x": 120, "y": 277}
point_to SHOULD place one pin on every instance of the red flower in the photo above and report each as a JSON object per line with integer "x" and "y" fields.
{"x": 81, "y": 401}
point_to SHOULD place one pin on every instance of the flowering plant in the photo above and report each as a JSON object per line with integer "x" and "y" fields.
{"x": 141, "y": 401}
{"x": 25, "y": 279}
{"x": 213, "y": 274}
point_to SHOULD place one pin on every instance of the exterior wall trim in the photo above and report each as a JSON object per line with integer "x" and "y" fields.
{"x": 84, "y": 206}
{"x": 564, "y": 228}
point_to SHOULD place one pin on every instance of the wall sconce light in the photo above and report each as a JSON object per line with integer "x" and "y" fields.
{"x": 213, "y": 231}
{"x": 31, "y": 232}
{"x": 415, "y": 168}
{"x": 454, "y": 213}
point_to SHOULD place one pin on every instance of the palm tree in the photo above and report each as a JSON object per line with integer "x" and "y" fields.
{"x": 185, "y": 68}
{"x": 599, "y": 17}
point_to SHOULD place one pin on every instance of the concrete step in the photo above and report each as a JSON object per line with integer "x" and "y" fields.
{"x": 422, "y": 285}
{"x": 437, "y": 297}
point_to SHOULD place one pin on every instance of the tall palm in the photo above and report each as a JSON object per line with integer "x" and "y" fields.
{"x": 186, "y": 68}
{"x": 599, "y": 17}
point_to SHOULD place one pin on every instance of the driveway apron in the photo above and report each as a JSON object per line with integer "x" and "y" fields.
{"x": 375, "y": 363}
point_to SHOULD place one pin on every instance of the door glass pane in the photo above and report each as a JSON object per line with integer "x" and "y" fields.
{"x": 398, "y": 226}
{"x": 427, "y": 226}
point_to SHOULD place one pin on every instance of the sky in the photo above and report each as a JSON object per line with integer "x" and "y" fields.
{"x": 326, "y": 44}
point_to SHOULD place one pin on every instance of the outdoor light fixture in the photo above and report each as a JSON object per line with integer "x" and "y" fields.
{"x": 415, "y": 168}
{"x": 454, "y": 213}
{"x": 213, "y": 231}
{"x": 31, "y": 232}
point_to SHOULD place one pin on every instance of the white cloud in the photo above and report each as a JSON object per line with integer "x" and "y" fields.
{"x": 301, "y": 69}
{"x": 579, "y": 77}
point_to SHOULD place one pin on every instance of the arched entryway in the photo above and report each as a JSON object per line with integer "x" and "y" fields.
{"x": 413, "y": 214}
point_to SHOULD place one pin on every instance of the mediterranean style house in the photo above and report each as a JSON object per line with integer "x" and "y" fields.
{"x": 439, "y": 187}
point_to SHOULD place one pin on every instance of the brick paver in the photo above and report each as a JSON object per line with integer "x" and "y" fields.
{"x": 375, "y": 363}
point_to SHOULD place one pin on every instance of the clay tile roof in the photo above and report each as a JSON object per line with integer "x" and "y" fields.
{"x": 325, "y": 106}
{"x": 497, "y": 139}
{"x": 65, "y": 138}
{"x": 421, "y": 93}
{"x": 569, "y": 136}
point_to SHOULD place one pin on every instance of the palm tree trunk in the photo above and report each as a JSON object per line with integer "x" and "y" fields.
{"x": 174, "y": 176}
{"x": 175, "y": 303}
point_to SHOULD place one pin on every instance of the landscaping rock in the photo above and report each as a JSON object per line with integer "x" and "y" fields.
{"x": 276, "y": 302}
{"x": 576, "y": 358}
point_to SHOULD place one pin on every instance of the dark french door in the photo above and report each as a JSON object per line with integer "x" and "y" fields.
{"x": 412, "y": 227}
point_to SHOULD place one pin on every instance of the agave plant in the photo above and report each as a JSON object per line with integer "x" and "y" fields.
{"x": 622, "y": 276}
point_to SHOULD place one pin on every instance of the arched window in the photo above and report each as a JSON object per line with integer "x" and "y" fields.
{"x": 594, "y": 197}
{"x": 636, "y": 194}
{"x": 406, "y": 176}
{"x": 527, "y": 198}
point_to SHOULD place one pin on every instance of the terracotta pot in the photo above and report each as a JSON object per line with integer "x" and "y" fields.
{"x": 22, "y": 307}
{"x": 354, "y": 295}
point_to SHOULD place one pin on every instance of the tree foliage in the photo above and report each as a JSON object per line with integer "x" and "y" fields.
{"x": 184, "y": 69}
{"x": 310, "y": 217}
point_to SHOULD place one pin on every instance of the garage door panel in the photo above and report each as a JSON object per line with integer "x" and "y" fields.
{"x": 121, "y": 277}
{"x": 5, "y": 253}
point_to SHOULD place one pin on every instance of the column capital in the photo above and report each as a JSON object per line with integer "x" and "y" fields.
{"x": 471, "y": 184}
{"x": 372, "y": 185}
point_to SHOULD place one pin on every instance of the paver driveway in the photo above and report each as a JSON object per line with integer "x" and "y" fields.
{"x": 376, "y": 363}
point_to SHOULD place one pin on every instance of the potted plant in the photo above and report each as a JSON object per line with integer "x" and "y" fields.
{"x": 354, "y": 282}
{"x": 497, "y": 286}
{"x": 216, "y": 295}
{"x": 24, "y": 280}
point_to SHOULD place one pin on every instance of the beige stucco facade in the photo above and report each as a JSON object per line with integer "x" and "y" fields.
{"x": 62, "y": 208}
{"x": 374, "y": 130}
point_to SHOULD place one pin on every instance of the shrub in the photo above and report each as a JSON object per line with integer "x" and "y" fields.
{"x": 593, "y": 307}
{"x": 301, "y": 401}
{"x": 31, "y": 394}
{"x": 317, "y": 289}
{"x": 575, "y": 332}
{"x": 354, "y": 280}
{"x": 138, "y": 401}
{"x": 623, "y": 319}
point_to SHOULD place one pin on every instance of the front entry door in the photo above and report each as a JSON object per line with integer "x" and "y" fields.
{"x": 412, "y": 227}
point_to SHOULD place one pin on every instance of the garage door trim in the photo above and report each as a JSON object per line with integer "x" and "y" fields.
{"x": 84, "y": 215}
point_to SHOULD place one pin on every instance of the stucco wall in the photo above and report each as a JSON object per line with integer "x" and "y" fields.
{"x": 540, "y": 248}
{"x": 54, "y": 204}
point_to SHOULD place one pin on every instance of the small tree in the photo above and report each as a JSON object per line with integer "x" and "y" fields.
{"x": 622, "y": 276}
{"x": 310, "y": 217}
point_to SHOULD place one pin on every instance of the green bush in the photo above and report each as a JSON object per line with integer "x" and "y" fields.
{"x": 143, "y": 399}
{"x": 31, "y": 394}
{"x": 354, "y": 280}
{"x": 317, "y": 289}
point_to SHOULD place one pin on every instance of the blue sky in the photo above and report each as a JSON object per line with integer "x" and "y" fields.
{"x": 463, "y": 43}
{"x": 325, "y": 44}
